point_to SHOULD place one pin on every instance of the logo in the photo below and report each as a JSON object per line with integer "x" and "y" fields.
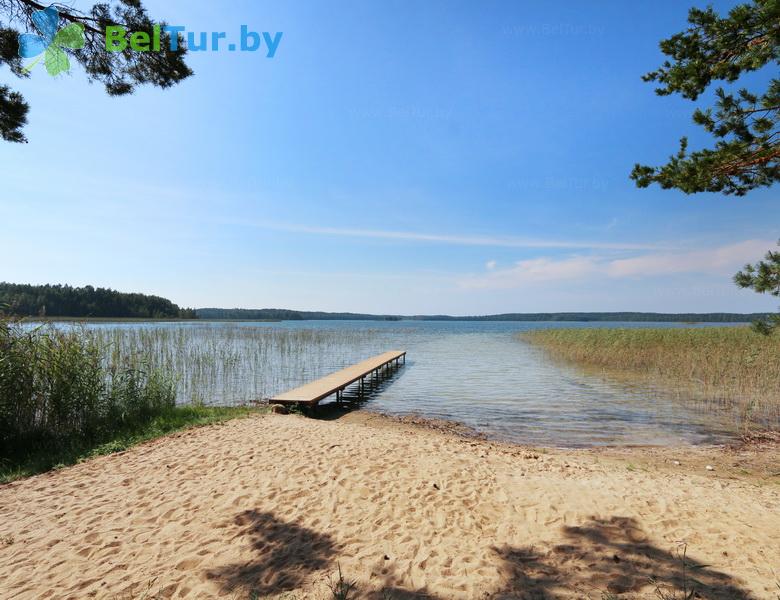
{"x": 118, "y": 39}
{"x": 50, "y": 44}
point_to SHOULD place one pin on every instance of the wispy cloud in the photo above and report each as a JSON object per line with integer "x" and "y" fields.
{"x": 453, "y": 239}
{"x": 710, "y": 260}
{"x": 722, "y": 259}
{"x": 533, "y": 271}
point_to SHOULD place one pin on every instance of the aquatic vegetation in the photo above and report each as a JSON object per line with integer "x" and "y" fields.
{"x": 67, "y": 395}
{"x": 57, "y": 389}
{"x": 230, "y": 364}
{"x": 725, "y": 365}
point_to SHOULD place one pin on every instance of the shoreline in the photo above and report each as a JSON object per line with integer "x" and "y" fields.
{"x": 276, "y": 504}
{"x": 459, "y": 428}
{"x": 758, "y": 444}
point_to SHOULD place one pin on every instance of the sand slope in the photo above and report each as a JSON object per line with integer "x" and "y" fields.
{"x": 273, "y": 504}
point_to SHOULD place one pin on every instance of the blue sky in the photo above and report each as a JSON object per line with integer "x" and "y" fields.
{"x": 396, "y": 156}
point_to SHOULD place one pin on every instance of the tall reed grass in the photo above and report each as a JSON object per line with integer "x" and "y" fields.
{"x": 59, "y": 389}
{"x": 730, "y": 365}
{"x": 228, "y": 364}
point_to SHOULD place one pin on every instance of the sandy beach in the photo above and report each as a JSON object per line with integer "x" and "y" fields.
{"x": 272, "y": 506}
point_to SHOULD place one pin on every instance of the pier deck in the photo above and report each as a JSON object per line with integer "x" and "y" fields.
{"x": 335, "y": 383}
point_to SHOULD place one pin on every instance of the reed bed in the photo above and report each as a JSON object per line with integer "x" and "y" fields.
{"x": 69, "y": 393}
{"x": 57, "y": 389}
{"x": 230, "y": 364}
{"x": 726, "y": 365}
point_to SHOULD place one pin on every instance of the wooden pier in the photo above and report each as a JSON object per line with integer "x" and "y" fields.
{"x": 335, "y": 383}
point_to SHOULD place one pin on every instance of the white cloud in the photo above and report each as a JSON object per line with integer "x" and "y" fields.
{"x": 533, "y": 271}
{"x": 490, "y": 265}
{"x": 453, "y": 239}
{"x": 719, "y": 260}
{"x": 712, "y": 260}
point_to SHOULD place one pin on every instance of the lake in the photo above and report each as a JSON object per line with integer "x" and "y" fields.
{"x": 477, "y": 373}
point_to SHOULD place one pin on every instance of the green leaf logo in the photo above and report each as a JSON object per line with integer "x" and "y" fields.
{"x": 71, "y": 36}
{"x": 51, "y": 44}
{"x": 56, "y": 61}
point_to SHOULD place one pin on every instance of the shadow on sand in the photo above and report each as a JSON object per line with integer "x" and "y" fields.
{"x": 605, "y": 558}
{"x": 286, "y": 554}
{"x": 610, "y": 557}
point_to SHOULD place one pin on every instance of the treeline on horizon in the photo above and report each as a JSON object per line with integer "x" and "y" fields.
{"x": 27, "y": 300}
{"x": 280, "y": 314}
{"x": 65, "y": 301}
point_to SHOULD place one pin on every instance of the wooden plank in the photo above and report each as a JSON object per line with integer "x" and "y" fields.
{"x": 313, "y": 392}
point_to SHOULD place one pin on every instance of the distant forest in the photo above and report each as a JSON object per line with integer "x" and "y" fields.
{"x": 90, "y": 302}
{"x": 67, "y": 301}
{"x": 279, "y": 314}
{"x": 283, "y": 314}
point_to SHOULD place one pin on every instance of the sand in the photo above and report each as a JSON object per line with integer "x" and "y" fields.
{"x": 272, "y": 506}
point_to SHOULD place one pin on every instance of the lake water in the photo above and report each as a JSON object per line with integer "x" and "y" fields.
{"x": 477, "y": 373}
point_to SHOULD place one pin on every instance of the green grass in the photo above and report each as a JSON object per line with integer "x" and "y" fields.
{"x": 168, "y": 421}
{"x": 730, "y": 365}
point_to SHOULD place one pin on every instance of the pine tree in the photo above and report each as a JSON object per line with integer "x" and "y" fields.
{"x": 119, "y": 72}
{"x": 745, "y": 124}
{"x": 763, "y": 277}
